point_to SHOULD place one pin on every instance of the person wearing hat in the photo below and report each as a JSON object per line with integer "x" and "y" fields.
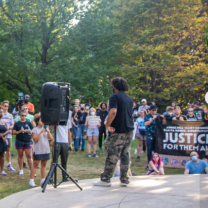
{"x": 144, "y": 105}
{"x": 31, "y": 109}
{"x": 150, "y": 123}
{"x": 198, "y": 112}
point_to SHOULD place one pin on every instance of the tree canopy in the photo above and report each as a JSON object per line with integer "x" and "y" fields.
{"x": 160, "y": 47}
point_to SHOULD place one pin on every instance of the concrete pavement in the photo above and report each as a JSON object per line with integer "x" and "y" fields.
{"x": 144, "y": 191}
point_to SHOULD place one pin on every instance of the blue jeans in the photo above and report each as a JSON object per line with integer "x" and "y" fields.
{"x": 150, "y": 147}
{"x": 79, "y": 134}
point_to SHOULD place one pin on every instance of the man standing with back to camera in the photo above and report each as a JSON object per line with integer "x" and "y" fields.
{"x": 120, "y": 126}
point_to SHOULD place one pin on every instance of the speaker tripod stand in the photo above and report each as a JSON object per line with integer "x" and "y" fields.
{"x": 53, "y": 170}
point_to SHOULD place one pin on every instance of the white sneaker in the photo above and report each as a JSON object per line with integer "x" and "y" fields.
{"x": 21, "y": 172}
{"x": 101, "y": 183}
{"x": 32, "y": 183}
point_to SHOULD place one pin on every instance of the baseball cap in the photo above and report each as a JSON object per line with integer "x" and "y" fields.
{"x": 144, "y": 100}
{"x": 197, "y": 102}
{"x": 27, "y": 96}
{"x": 153, "y": 107}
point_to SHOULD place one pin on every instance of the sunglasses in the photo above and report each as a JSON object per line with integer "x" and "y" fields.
{"x": 6, "y": 106}
{"x": 23, "y": 115}
{"x": 25, "y": 109}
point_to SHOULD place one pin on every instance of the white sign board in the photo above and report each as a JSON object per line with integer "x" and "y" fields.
{"x": 94, "y": 120}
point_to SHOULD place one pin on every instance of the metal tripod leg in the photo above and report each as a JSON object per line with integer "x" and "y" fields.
{"x": 48, "y": 177}
{"x": 63, "y": 171}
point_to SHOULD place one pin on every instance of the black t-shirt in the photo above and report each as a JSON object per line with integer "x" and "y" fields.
{"x": 25, "y": 137}
{"x": 123, "y": 122}
{"x": 178, "y": 118}
{"x": 97, "y": 111}
{"x": 81, "y": 117}
{"x": 199, "y": 113}
{"x": 103, "y": 115}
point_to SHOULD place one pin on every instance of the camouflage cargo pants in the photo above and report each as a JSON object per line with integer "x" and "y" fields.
{"x": 117, "y": 147}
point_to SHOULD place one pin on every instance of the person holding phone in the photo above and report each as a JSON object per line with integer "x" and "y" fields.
{"x": 22, "y": 130}
{"x": 41, "y": 149}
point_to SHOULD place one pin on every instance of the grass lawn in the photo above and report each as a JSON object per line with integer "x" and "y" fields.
{"x": 79, "y": 166}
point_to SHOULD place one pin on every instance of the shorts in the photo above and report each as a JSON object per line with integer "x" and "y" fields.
{"x": 141, "y": 137}
{"x": 9, "y": 142}
{"x": 3, "y": 147}
{"x": 41, "y": 156}
{"x": 23, "y": 145}
{"x": 92, "y": 132}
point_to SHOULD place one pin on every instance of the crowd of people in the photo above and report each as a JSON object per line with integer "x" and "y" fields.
{"x": 33, "y": 139}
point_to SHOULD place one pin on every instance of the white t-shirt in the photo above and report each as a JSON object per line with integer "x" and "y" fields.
{"x": 14, "y": 111}
{"x": 62, "y": 132}
{"x": 143, "y": 108}
{"x": 8, "y": 118}
{"x": 70, "y": 121}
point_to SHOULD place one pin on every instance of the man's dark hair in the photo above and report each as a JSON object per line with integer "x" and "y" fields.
{"x": 120, "y": 84}
{"x": 102, "y": 104}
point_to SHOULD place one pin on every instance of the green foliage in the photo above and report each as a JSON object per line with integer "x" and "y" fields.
{"x": 160, "y": 47}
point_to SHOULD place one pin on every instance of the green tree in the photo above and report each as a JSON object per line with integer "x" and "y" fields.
{"x": 36, "y": 38}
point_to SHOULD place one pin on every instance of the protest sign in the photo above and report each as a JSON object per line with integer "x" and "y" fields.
{"x": 94, "y": 120}
{"x": 180, "y": 138}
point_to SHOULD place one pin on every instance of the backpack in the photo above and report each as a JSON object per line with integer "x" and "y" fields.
{"x": 142, "y": 131}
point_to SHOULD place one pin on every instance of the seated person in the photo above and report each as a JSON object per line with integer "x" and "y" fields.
{"x": 205, "y": 157}
{"x": 155, "y": 165}
{"x": 178, "y": 115}
{"x": 191, "y": 116}
{"x": 196, "y": 166}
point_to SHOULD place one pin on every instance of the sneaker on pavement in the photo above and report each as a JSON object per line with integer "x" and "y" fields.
{"x": 102, "y": 183}
{"x": 9, "y": 167}
{"x": 3, "y": 173}
{"x": 89, "y": 155}
{"x": 32, "y": 183}
{"x": 124, "y": 183}
{"x": 95, "y": 155}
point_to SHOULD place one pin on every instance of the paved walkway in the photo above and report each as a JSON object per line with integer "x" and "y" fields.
{"x": 144, "y": 191}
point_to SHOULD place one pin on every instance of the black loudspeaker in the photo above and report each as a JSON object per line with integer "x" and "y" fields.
{"x": 55, "y": 103}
